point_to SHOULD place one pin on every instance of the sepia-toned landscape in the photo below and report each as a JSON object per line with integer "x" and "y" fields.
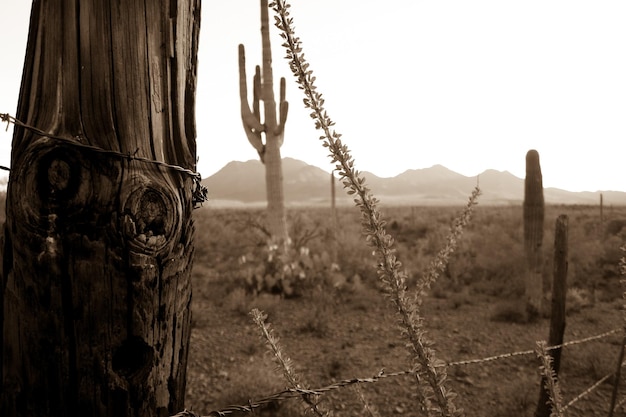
{"x": 131, "y": 286}
{"x": 337, "y": 324}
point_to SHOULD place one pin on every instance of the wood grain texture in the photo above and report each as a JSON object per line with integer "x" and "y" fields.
{"x": 98, "y": 249}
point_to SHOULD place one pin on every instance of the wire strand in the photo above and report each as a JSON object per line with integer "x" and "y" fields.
{"x": 199, "y": 193}
{"x": 298, "y": 392}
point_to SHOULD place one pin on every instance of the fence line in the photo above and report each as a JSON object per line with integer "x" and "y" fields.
{"x": 200, "y": 196}
{"x": 590, "y": 389}
{"x": 530, "y": 352}
{"x": 199, "y": 193}
{"x": 297, "y": 392}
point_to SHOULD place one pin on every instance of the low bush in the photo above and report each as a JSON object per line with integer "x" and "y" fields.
{"x": 289, "y": 272}
{"x": 510, "y": 311}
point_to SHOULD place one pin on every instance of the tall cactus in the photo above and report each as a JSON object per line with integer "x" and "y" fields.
{"x": 534, "y": 213}
{"x": 273, "y": 130}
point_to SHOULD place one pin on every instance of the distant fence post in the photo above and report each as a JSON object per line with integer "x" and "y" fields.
{"x": 557, "y": 317}
{"x": 601, "y": 211}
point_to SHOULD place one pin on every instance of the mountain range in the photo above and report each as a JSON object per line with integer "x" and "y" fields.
{"x": 243, "y": 183}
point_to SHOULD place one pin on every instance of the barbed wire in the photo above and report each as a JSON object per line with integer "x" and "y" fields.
{"x": 294, "y": 393}
{"x": 590, "y": 389}
{"x": 199, "y": 192}
{"x": 531, "y": 352}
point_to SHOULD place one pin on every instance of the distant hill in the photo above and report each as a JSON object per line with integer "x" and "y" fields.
{"x": 243, "y": 183}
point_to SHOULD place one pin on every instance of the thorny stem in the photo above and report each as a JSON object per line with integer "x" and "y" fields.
{"x": 389, "y": 268}
{"x": 368, "y": 409}
{"x": 284, "y": 363}
{"x": 441, "y": 260}
{"x": 550, "y": 380}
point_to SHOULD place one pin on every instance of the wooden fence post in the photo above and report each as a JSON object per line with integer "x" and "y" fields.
{"x": 601, "y": 211}
{"x": 98, "y": 248}
{"x": 557, "y": 317}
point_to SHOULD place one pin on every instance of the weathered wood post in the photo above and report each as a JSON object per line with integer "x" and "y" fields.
{"x": 601, "y": 211}
{"x": 557, "y": 316}
{"x": 98, "y": 245}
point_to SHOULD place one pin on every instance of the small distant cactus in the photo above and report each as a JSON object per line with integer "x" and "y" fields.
{"x": 534, "y": 214}
{"x": 268, "y": 150}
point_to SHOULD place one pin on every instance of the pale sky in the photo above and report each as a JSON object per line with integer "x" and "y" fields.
{"x": 471, "y": 85}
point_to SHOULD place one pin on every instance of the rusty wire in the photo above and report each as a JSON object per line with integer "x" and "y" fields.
{"x": 530, "y": 352}
{"x": 590, "y": 389}
{"x": 295, "y": 393}
{"x": 199, "y": 191}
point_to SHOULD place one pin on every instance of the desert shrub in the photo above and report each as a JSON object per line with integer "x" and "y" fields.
{"x": 201, "y": 278}
{"x": 290, "y": 272}
{"x": 510, "y": 311}
{"x": 352, "y": 253}
{"x": 256, "y": 379}
{"x": 584, "y": 262}
{"x": 238, "y": 301}
{"x": 460, "y": 299}
{"x": 518, "y": 399}
{"x": 576, "y": 299}
{"x": 268, "y": 303}
{"x": 409, "y": 233}
{"x": 222, "y": 236}
{"x": 305, "y": 229}
{"x": 612, "y": 254}
{"x": 584, "y": 362}
{"x": 317, "y": 323}
{"x": 615, "y": 227}
{"x": 489, "y": 259}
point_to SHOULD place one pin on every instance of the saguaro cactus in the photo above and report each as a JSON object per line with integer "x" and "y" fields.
{"x": 273, "y": 130}
{"x": 533, "y": 232}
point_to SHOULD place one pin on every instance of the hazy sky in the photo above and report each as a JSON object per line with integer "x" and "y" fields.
{"x": 471, "y": 85}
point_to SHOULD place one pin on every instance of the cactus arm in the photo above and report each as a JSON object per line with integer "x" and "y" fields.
{"x": 267, "y": 86}
{"x": 257, "y": 93}
{"x": 251, "y": 123}
{"x": 284, "y": 109}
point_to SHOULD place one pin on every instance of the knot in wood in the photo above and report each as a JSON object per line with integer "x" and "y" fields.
{"x": 59, "y": 174}
{"x": 152, "y": 214}
{"x": 150, "y": 219}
